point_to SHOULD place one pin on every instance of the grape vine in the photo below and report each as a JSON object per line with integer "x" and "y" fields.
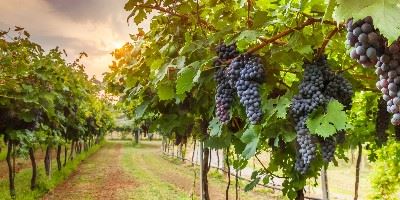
{"x": 319, "y": 85}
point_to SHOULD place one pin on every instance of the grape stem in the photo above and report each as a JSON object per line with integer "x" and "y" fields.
{"x": 325, "y": 42}
{"x": 248, "y": 14}
{"x": 266, "y": 170}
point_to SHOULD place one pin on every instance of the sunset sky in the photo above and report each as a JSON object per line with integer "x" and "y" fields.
{"x": 94, "y": 26}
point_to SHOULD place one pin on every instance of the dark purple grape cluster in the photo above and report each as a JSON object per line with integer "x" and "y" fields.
{"x": 382, "y": 122}
{"x": 366, "y": 41}
{"x": 224, "y": 95}
{"x": 226, "y": 52}
{"x": 319, "y": 85}
{"x": 307, "y": 146}
{"x": 328, "y": 147}
{"x": 247, "y": 85}
{"x": 235, "y": 68}
{"x": 243, "y": 75}
{"x": 388, "y": 70}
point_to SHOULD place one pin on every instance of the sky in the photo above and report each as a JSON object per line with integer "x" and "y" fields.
{"x": 94, "y": 26}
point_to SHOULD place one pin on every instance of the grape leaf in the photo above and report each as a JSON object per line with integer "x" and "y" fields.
{"x": 161, "y": 73}
{"x": 329, "y": 9}
{"x": 165, "y": 92}
{"x": 281, "y": 106}
{"x": 140, "y": 16}
{"x": 215, "y": 127}
{"x": 252, "y": 184}
{"x": 251, "y": 138}
{"x": 223, "y": 141}
{"x": 259, "y": 18}
{"x": 386, "y": 15}
{"x": 327, "y": 124}
{"x": 184, "y": 81}
{"x": 141, "y": 109}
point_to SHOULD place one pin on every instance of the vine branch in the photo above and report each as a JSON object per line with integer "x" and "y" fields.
{"x": 326, "y": 41}
{"x": 286, "y": 32}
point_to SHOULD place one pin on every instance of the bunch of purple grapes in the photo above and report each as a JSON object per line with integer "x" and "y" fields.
{"x": 224, "y": 94}
{"x": 366, "y": 42}
{"x": 388, "y": 70}
{"x": 226, "y": 52}
{"x": 319, "y": 85}
{"x": 246, "y": 73}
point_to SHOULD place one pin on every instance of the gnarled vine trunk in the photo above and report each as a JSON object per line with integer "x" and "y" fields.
{"x": 59, "y": 157}
{"x": 47, "y": 160}
{"x": 206, "y": 154}
{"x": 300, "y": 194}
{"x": 358, "y": 171}
{"x": 65, "y": 155}
{"x": 136, "y": 137}
{"x": 229, "y": 173}
{"x": 206, "y": 168}
{"x": 11, "y": 174}
{"x": 71, "y": 154}
{"x": 34, "y": 168}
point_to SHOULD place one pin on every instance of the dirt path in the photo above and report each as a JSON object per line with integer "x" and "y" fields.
{"x": 150, "y": 160}
{"x": 99, "y": 177}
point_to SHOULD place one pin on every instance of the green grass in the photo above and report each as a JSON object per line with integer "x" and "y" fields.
{"x": 3, "y": 154}
{"x": 167, "y": 165}
{"x": 44, "y": 184}
{"x": 150, "y": 187}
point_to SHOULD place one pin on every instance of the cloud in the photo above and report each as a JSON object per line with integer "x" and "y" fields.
{"x": 94, "y": 26}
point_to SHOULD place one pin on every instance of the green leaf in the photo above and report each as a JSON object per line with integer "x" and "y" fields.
{"x": 260, "y": 18}
{"x": 140, "y": 16}
{"x": 251, "y": 138}
{"x": 139, "y": 111}
{"x": 283, "y": 103}
{"x": 130, "y": 5}
{"x": 185, "y": 78}
{"x": 386, "y": 15}
{"x": 215, "y": 127}
{"x": 252, "y": 184}
{"x": 165, "y": 92}
{"x": 329, "y": 123}
{"x": 247, "y": 37}
{"x": 161, "y": 73}
{"x": 329, "y": 9}
{"x": 223, "y": 141}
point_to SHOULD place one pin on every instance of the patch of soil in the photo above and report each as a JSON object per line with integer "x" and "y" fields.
{"x": 99, "y": 177}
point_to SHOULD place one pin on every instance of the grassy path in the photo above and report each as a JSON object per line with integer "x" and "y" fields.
{"x": 121, "y": 170}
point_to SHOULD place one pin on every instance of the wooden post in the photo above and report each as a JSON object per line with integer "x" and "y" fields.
{"x": 201, "y": 170}
{"x": 357, "y": 171}
{"x": 324, "y": 182}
